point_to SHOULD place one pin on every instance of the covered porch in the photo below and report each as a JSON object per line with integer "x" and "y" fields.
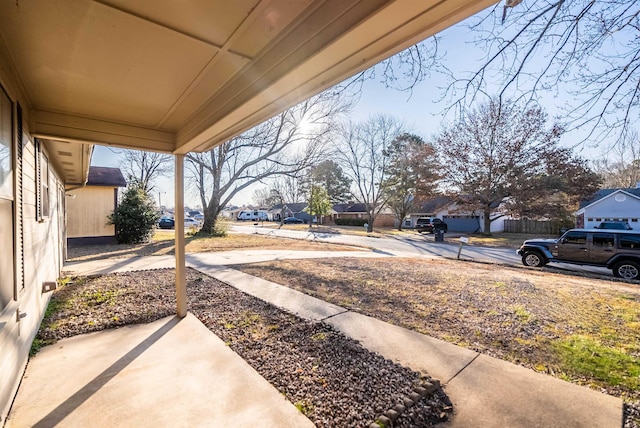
{"x": 162, "y": 76}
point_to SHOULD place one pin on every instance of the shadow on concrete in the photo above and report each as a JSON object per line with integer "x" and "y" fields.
{"x": 72, "y": 403}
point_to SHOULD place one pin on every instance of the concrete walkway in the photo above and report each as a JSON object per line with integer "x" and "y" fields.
{"x": 169, "y": 373}
{"x": 485, "y": 391}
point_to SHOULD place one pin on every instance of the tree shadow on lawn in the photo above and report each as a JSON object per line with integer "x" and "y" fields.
{"x": 117, "y": 251}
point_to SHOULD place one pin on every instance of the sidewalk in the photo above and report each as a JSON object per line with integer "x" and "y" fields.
{"x": 168, "y": 373}
{"x": 485, "y": 391}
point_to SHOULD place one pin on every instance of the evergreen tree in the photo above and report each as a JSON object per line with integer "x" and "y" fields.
{"x": 135, "y": 217}
{"x": 319, "y": 204}
{"x": 412, "y": 175}
{"x": 329, "y": 174}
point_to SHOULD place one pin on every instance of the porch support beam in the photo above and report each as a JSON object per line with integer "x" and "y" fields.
{"x": 181, "y": 274}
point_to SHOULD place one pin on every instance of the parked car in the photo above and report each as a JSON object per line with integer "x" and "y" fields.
{"x": 429, "y": 224}
{"x": 618, "y": 250}
{"x": 619, "y": 225}
{"x": 191, "y": 223}
{"x": 292, "y": 220}
{"x": 166, "y": 223}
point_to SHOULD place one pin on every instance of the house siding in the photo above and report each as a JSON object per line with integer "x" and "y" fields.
{"x": 617, "y": 206}
{"x": 87, "y": 211}
{"x": 37, "y": 257}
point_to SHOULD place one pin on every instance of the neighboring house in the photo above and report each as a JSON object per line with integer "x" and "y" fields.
{"x": 459, "y": 218}
{"x": 231, "y": 212}
{"x": 385, "y": 218}
{"x": 79, "y": 75}
{"x": 610, "y": 205}
{"x": 281, "y": 211}
{"x": 427, "y": 208}
{"x": 89, "y": 206}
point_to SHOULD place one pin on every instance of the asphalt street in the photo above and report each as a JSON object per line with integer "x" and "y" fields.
{"x": 412, "y": 245}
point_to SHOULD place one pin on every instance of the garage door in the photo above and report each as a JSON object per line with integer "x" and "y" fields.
{"x": 465, "y": 224}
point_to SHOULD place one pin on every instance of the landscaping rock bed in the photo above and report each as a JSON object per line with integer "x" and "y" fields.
{"x": 330, "y": 378}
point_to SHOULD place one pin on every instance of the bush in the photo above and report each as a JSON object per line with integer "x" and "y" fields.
{"x": 350, "y": 221}
{"x": 136, "y": 216}
{"x": 220, "y": 228}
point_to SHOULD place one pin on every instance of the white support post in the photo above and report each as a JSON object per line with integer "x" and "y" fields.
{"x": 181, "y": 273}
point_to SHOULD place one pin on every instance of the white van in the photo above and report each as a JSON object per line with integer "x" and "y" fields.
{"x": 256, "y": 215}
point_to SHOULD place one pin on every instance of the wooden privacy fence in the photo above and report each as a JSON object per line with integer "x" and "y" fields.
{"x": 526, "y": 225}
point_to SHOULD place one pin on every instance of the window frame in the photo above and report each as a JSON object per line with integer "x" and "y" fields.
{"x": 43, "y": 188}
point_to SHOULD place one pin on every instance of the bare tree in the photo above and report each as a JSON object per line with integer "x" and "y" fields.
{"x": 492, "y": 153}
{"x": 261, "y": 197}
{"x": 589, "y": 48}
{"x": 361, "y": 149}
{"x": 621, "y": 166}
{"x": 284, "y": 145}
{"x": 286, "y": 189}
{"x": 401, "y": 72}
{"x": 143, "y": 168}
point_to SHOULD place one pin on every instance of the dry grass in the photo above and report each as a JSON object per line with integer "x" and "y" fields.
{"x": 579, "y": 329}
{"x": 163, "y": 243}
{"x": 509, "y": 240}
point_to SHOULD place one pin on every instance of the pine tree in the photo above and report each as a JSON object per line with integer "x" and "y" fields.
{"x": 135, "y": 217}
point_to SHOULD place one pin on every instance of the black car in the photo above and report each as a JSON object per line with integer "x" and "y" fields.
{"x": 292, "y": 220}
{"x": 618, "y": 250}
{"x": 429, "y": 225}
{"x": 166, "y": 223}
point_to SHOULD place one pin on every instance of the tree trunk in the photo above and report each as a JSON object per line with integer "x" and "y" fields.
{"x": 487, "y": 221}
{"x": 211, "y": 213}
{"x": 370, "y": 223}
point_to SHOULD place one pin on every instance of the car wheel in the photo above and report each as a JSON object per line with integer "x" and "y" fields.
{"x": 533, "y": 259}
{"x": 627, "y": 270}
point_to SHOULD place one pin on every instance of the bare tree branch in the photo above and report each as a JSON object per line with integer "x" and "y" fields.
{"x": 281, "y": 146}
{"x": 588, "y": 48}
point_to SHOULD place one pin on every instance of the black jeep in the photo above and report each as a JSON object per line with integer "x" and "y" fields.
{"x": 429, "y": 225}
{"x": 618, "y": 250}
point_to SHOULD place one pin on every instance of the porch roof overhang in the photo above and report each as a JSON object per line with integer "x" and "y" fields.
{"x": 176, "y": 77}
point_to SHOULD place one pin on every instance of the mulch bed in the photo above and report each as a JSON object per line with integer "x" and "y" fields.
{"x": 329, "y": 377}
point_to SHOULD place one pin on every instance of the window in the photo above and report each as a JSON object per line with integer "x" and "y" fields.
{"x": 602, "y": 240}
{"x": 630, "y": 241}
{"x": 7, "y": 282}
{"x": 6, "y": 125}
{"x": 42, "y": 182}
{"x": 576, "y": 238}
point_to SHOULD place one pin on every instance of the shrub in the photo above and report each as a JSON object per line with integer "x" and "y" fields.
{"x": 136, "y": 216}
{"x": 222, "y": 226}
{"x": 350, "y": 221}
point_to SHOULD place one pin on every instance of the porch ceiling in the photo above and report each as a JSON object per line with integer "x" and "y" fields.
{"x": 185, "y": 76}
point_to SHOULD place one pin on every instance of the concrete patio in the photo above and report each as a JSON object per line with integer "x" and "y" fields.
{"x": 172, "y": 372}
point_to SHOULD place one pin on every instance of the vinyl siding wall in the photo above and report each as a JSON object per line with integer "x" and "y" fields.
{"x": 38, "y": 257}
{"x": 87, "y": 211}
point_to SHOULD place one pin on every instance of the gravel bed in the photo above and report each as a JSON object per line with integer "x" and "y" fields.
{"x": 329, "y": 377}
{"x": 631, "y": 416}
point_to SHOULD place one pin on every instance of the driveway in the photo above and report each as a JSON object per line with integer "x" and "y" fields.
{"x": 415, "y": 245}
